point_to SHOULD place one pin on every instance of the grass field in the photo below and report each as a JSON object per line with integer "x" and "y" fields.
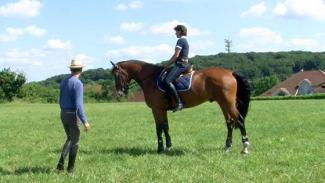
{"x": 287, "y": 144}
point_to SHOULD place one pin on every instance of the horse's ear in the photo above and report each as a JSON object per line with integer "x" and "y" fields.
{"x": 114, "y": 65}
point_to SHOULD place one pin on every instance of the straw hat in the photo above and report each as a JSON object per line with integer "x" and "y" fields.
{"x": 76, "y": 64}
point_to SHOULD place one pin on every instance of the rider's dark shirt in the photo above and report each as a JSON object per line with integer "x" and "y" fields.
{"x": 183, "y": 45}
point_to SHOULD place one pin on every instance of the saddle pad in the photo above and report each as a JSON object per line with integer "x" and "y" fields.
{"x": 182, "y": 83}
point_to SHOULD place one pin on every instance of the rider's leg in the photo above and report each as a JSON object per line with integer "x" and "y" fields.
{"x": 179, "y": 104}
{"x": 171, "y": 76}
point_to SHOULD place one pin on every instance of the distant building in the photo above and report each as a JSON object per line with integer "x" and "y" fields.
{"x": 301, "y": 83}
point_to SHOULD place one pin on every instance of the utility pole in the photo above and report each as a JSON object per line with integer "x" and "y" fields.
{"x": 228, "y": 45}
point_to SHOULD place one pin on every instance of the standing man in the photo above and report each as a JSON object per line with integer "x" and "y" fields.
{"x": 71, "y": 104}
{"x": 180, "y": 61}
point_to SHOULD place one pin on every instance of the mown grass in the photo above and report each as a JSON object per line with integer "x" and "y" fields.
{"x": 287, "y": 144}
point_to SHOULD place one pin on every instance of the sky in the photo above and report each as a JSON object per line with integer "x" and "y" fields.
{"x": 40, "y": 37}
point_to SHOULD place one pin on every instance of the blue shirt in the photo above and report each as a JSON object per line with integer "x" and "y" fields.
{"x": 183, "y": 45}
{"x": 71, "y": 96}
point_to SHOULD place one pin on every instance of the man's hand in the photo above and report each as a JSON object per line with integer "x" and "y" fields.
{"x": 87, "y": 127}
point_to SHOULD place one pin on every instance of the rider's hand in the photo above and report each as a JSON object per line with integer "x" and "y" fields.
{"x": 165, "y": 67}
{"x": 87, "y": 127}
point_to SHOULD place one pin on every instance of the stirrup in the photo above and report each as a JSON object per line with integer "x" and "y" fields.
{"x": 179, "y": 107}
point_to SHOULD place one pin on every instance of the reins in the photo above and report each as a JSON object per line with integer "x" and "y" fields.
{"x": 132, "y": 84}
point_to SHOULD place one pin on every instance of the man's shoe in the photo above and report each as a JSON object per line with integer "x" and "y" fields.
{"x": 60, "y": 167}
{"x": 70, "y": 171}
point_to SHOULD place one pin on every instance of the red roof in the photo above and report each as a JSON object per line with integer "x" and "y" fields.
{"x": 315, "y": 77}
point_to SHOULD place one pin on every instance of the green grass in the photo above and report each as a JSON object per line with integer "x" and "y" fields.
{"x": 286, "y": 136}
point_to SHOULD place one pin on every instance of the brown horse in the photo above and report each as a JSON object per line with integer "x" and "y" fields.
{"x": 228, "y": 89}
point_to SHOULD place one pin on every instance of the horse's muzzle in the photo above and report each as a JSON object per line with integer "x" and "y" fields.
{"x": 120, "y": 93}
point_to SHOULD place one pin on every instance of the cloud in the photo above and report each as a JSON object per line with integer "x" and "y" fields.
{"x": 255, "y": 10}
{"x": 260, "y": 33}
{"x": 131, "y": 5}
{"x": 35, "y": 31}
{"x": 22, "y": 8}
{"x": 152, "y": 54}
{"x": 201, "y": 44}
{"x": 136, "y": 4}
{"x": 58, "y": 44}
{"x": 121, "y": 7}
{"x": 164, "y": 28}
{"x": 22, "y": 58}
{"x": 259, "y": 39}
{"x": 304, "y": 43}
{"x": 12, "y": 34}
{"x": 115, "y": 40}
{"x": 131, "y": 26}
{"x": 313, "y": 9}
{"x": 85, "y": 59}
{"x": 167, "y": 28}
{"x": 262, "y": 39}
{"x": 201, "y": 47}
{"x": 179, "y": 0}
{"x": 39, "y": 64}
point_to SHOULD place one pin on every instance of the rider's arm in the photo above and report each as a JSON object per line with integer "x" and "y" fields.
{"x": 173, "y": 58}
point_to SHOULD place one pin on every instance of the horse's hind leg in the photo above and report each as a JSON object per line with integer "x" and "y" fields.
{"x": 229, "y": 124}
{"x": 228, "y": 107}
{"x": 241, "y": 126}
{"x": 162, "y": 126}
{"x": 234, "y": 118}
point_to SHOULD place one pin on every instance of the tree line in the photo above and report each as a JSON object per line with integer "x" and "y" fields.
{"x": 263, "y": 70}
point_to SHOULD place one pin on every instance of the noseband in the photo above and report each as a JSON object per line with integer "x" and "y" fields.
{"x": 123, "y": 80}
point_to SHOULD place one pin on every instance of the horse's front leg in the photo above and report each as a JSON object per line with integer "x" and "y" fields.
{"x": 229, "y": 137}
{"x": 159, "y": 137}
{"x": 167, "y": 136}
{"x": 161, "y": 126}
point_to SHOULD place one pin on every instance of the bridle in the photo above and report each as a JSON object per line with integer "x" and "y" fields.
{"x": 122, "y": 80}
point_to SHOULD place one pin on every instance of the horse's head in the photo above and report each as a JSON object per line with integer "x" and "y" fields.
{"x": 122, "y": 79}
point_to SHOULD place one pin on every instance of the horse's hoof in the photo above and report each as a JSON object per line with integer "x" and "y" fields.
{"x": 168, "y": 149}
{"x": 226, "y": 148}
{"x": 245, "y": 151}
{"x": 159, "y": 151}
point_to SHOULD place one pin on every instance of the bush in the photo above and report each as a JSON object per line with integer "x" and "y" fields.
{"x": 10, "y": 84}
{"x": 34, "y": 92}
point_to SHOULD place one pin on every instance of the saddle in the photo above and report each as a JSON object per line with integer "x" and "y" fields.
{"x": 182, "y": 83}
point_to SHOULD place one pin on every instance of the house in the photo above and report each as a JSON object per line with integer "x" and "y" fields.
{"x": 301, "y": 83}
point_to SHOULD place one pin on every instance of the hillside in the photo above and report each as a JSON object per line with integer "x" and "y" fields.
{"x": 263, "y": 70}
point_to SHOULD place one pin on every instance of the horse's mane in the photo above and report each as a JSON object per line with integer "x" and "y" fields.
{"x": 145, "y": 65}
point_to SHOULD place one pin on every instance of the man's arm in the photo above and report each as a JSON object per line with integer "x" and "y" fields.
{"x": 79, "y": 105}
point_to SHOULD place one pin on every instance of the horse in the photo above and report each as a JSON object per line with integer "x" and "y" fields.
{"x": 227, "y": 88}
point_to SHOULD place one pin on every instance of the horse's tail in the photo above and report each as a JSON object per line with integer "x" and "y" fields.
{"x": 243, "y": 95}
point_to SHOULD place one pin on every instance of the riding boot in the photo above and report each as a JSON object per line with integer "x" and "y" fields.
{"x": 179, "y": 104}
{"x": 72, "y": 158}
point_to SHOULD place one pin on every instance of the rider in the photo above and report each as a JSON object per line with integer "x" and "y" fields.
{"x": 180, "y": 58}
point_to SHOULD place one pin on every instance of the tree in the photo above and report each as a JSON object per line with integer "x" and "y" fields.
{"x": 260, "y": 85}
{"x": 10, "y": 84}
